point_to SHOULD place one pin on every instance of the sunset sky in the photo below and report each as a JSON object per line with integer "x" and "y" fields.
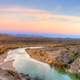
{"x": 40, "y": 16}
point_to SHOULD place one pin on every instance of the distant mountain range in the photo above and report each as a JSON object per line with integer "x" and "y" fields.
{"x": 42, "y": 35}
{"x": 48, "y": 35}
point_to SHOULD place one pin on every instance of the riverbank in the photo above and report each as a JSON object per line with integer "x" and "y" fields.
{"x": 11, "y": 75}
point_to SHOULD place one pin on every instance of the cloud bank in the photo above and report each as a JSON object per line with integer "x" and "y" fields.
{"x": 22, "y": 19}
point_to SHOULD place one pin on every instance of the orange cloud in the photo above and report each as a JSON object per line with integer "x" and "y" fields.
{"x": 33, "y": 20}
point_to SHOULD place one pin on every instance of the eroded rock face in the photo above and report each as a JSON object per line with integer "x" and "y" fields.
{"x": 41, "y": 55}
{"x": 75, "y": 66}
{"x": 10, "y": 75}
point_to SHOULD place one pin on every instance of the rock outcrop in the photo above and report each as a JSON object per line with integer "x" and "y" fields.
{"x": 75, "y": 66}
{"x": 11, "y": 75}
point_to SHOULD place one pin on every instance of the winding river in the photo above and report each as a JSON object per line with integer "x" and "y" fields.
{"x": 23, "y": 63}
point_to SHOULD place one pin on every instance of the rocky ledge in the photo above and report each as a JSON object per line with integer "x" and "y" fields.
{"x": 11, "y": 75}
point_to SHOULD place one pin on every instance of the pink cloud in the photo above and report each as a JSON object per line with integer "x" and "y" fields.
{"x": 16, "y": 19}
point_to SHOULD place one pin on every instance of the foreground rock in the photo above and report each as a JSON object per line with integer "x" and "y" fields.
{"x": 10, "y": 75}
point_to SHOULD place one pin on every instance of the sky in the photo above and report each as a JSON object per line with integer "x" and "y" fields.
{"x": 40, "y": 16}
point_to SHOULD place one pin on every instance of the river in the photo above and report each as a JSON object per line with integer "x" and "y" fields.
{"x": 23, "y": 63}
